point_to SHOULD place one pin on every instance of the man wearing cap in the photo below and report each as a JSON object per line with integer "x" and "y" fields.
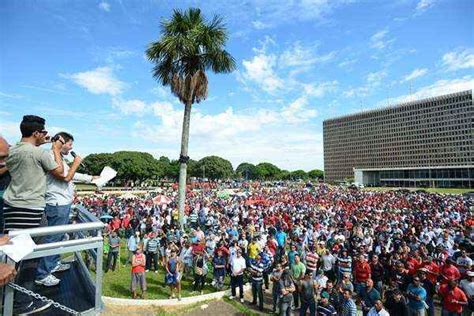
{"x": 324, "y": 307}
{"x": 432, "y": 269}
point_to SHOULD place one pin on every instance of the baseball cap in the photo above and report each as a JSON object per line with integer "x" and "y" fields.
{"x": 324, "y": 294}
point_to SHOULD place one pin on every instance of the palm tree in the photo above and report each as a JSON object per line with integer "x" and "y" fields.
{"x": 188, "y": 47}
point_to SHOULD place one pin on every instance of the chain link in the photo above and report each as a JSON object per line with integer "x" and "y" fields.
{"x": 42, "y": 298}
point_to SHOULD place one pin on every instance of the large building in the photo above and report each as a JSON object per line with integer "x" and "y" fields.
{"x": 425, "y": 143}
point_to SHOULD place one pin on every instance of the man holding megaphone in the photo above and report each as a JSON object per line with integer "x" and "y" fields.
{"x": 59, "y": 198}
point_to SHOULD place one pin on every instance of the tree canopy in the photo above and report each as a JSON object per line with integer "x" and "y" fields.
{"x": 139, "y": 166}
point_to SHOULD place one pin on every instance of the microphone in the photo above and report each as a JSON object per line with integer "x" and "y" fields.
{"x": 73, "y": 154}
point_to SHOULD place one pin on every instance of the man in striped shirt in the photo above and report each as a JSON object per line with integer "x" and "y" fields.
{"x": 349, "y": 307}
{"x": 312, "y": 259}
{"x": 256, "y": 275}
{"x": 152, "y": 252}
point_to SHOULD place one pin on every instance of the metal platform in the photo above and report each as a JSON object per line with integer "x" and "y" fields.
{"x": 80, "y": 291}
{"x": 74, "y": 291}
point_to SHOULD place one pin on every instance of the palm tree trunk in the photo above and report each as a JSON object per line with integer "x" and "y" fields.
{"x": 183, "y": 164}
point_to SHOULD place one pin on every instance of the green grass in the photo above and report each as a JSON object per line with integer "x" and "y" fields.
{"x": 85, "y": 187}
{"x": 432, "y": 190}
{"x": 117, "y": 283}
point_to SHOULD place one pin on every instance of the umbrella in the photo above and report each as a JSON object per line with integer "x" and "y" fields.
{"x": 106, "y": 216}
{"x": 127, "y": 196}
{"x": 161, "y": 199}
{"x": 224, "y": 194}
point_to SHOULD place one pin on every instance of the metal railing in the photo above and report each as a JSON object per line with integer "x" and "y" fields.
{"x": 84, "y": 235}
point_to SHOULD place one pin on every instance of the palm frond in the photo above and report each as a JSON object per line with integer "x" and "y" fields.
{"x": 188, "y": 47}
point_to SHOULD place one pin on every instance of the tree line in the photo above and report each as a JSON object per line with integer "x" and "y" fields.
{"x": 140, "y": 166}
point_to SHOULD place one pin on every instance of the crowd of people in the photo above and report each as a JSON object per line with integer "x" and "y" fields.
{"x": 323, "y": 249}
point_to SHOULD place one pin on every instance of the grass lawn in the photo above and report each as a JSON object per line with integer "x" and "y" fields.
{"x": 432, "y": 190}
{"x": 117, "y": 283}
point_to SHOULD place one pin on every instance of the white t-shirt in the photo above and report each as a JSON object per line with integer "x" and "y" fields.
{"x": 468, "y": 287}
{"x": 238, "y": 264}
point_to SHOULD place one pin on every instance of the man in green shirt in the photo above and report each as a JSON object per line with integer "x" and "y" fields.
{"x": 24, "y": 198}
{"x": 297, "y": 272}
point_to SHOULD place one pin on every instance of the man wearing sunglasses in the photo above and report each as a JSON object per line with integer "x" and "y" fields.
{"x": 24, "y": 197}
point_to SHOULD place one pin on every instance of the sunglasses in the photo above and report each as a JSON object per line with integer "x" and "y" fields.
{"x": 44, "y": 132}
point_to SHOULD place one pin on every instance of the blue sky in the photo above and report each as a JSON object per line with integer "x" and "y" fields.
{"x": 81, "y": 65}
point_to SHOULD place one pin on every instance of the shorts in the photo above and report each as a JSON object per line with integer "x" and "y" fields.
{"x": 138, "y": 279}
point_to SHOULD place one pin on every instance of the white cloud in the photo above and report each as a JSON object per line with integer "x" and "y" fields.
{"x": 98, "y": 81}
{"x": 130, "y": 106}
{"x": 459, "y": 59}
{"x": 261, "y": 70}
{"x": 10, "y": 95}
{"x": 418, "y": 72}
{"x": 440, "y": 87}
{"x": 104, "y": 6}
{"x": 320, "y": 89}
{"x": 239, "y": 136}
{"x": 298, "y": 55}
{"x": 10, "y": 131}
{"x": 424, "y": 5}
{"x": 380, "y": 40}
{"x": 373, "y": 80}
{"x": 347, "y": 63}
{"x": 298, "y": 111}
{"x": 259, "y": 25}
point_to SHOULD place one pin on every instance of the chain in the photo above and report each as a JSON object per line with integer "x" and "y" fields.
{"x": 42, "y": 298}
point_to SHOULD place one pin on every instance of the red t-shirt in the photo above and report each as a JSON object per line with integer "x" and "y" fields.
{"x": 433, "y": 271}
{"x": 115, "y": 223}
{"x": 362, "y": 271}
{"x": 449, "y": 296}
{"x": 141, "y": 260}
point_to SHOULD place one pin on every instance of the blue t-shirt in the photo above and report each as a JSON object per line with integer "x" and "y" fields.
{"x": 415, "y": 290}
{"x": 281, "y": 238}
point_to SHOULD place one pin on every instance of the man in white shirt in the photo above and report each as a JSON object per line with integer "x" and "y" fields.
{"x": 238, "y": 266}
{"x": 59, "y": 197}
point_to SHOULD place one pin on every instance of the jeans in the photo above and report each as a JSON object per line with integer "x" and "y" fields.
{"x": 285, "y": 308}
{"x": 257, "y": 291}
{"x": 152, "y": 257}
{"x": 448, "y": 313}
{"x": 275, "y": 296}
{"x": 417, "y": 312}
{"x": 308, "y": 305}
{"x": 199, "y": 281}
{"x": 431, "y": 307}
{"x": 111, "y": 261}
{"x": 237, "y": 281}
{"x": 296, "y": 296}
{"x": 56, "y": 215}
